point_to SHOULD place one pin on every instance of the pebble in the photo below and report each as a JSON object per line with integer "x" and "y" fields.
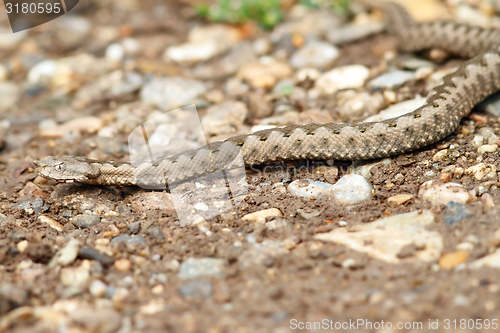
{"x": 67, "y": 254}
{"x": 490, "y": 260}
{"x": 455, "y": 212}
{"x": 114, "y": 52}
{"x": 397, "y": 110}
{"x": 391, "y": 79}
{"x": 9, "y": 95}
{"x": 466, "y": 14}
{"x": 260, "y": 253}
{"x": 352, "y": 104}
{"x": 22, "y": 245}
{"x": 87, "y": 220}
{"x": 235, "y": 87}
{"x": 316, "y": 54}
{"x": 226, "y": 117}
{"x": 147, "y": 201}
{"x": 345, "y": 77}
{"x": 204, "y": 43}
{"x": 482, "y": 171}
{"x": 439, "y": 194}
{"x": 133, "y": 240}
{"x": 264, "y": 73}
{"x": 311, "y": 25}
{"x": 453, "y": 259}
{"x": 194, "y": 268}
{"x": 487, "y": 149}
{"x": 461, "y": 300}
{"x": 262, "y": 46}
{"x": 487, "y": 200}
{"x": 84, "y": 124}
{"x": 276, "y": 224}
{"x": 260, "y": 216}
{"x": 123, "y": 265}
{"x": 155, "y": 232}
{"x": 309, "y": 189}
{"x": 51, "y": 222}
{"x": 89, "y": 253}
{"x": 173, "y": 92}
{"x": 76, "y": 277}
{"x": 97, "y": 288}
{"x": 353, "y": 32}
{"x": 12, "y": 297}
{"x": 308, "y": 214}
{"x": 400, "y": 199}
{"x": 385, "y": 238}
{"x": 197, "y": 289}
{"x": 31, "y": 205}
{"x": 134, "y": 227}
{"x": 351, "y": 190}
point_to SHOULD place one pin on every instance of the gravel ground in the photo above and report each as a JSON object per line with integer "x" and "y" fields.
{"x": 407, "y": 243}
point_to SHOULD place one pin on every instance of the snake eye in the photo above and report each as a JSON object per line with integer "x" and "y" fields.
{"x": 60, "y": 167}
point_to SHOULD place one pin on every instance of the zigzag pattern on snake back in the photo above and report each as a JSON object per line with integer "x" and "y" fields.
{"x": 445, "y": 106}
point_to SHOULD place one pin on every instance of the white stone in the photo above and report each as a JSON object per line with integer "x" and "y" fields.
{"x": 482, "y": 171}
{"x": 385, "y": 238}
{"x": 442, "y": 194}
{"x": 345, "y": 77}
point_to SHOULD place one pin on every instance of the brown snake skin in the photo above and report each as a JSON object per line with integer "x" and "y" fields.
{"x": 445, "y": 106}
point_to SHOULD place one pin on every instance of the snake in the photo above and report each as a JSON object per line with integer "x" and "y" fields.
{"x": 445, "y": 106}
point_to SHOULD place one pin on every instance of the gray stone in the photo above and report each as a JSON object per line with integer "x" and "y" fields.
{"x": 193, "y": 268}
{"x": 134, "y": 227}
{"x": 197, "y": 289}
{"x": 84, "y": 221}
{"x": 171, "y": 93}
{"x": 129, "y": 240}
{"x": 391, "y": 79}
{"x": 455, "y": 212}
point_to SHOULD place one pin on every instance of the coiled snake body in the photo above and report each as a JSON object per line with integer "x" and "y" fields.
{"x": 445, "y": 106}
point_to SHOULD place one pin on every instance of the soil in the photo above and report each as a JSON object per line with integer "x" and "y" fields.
{"x": 282, "y": 293}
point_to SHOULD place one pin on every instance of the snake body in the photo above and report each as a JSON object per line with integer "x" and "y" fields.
{"x": 440, "y": 116}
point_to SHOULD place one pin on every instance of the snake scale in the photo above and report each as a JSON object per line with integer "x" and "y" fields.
{"x": 440, "y": 116}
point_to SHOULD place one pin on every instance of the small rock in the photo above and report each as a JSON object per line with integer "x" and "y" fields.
{"x": 482, "y": 171}
{"x": 276, "y": 224}
{"x": 353, "y": 32}
{"x": 442, "y": 194}
{"x": 260, "y": 216}
{"x": 491, "y": 260}
{"x": 197, "y": 289}
{"x": 487, "y": 149}
{"x": 114, "y": 52}
{"x": 308, "y": 215}
{"x": 315, "y": 54}
{"x": 67, "y": 254}
{"x": 264, "y": 74}
{"x": 173, "y": 92}
{"x": 450, "y": 260}
{"x": 391, "y": 79}
{"x": 97, "y": 288}
{"x": 308, "y": 188}
{"x": 89, "y": 253}
{"x": 351, "y": 190}
{"x": 397, "y": 110}
{"x": 384, "y": 239}
{"x": 129, "y": 240}
{"x": 76, "y": 277}
{"x": 84, "y": 221}
{"x": 156, "y": 233}
{"x": 194, "y": 268}
{"x": 259, "y": 253}
{"x": 32, "y": 205}
{"x": 134, "y": 227}
{"x": 9, "y": 95}
{"x": 123, "y": 265}
{"x": 235, "y": 87}
{"x": 455, "y": 212}
{"x": 87, "y": 124}
{"x": 461, "y": 300}
{"x": 346, "y": 77}
{"x": 51, "y": 222}
{"x": 400, "y": 199}
{"x": 227, "y": 117}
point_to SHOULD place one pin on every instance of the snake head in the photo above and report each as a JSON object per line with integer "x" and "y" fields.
{"x": 67, "y": 169}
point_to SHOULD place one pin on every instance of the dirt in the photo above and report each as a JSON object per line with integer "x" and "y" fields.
{"x": 283, "y": 293}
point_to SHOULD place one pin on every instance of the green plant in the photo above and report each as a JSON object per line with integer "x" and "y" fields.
{"x": 267, "y": 12}
{"x": 339, "y": 7}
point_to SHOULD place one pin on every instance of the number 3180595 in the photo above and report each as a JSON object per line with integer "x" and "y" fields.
{"x": 33, "y": 8}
